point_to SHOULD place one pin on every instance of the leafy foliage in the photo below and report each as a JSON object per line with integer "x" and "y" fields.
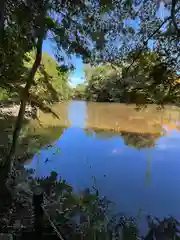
{"x": 76, "y": 28}
{"x": 17, "y": 39}
{"x": 84, "y": 215}
{"x": 115, "y": 35}
{"x": 79, "y": 92}
{"x": 101, "y": 82}
{"x": 4, "y": 94}
{"x": 150, "y": 80}
{"x": 50, "y": 83}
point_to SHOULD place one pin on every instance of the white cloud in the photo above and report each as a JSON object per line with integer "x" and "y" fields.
{"x": 75, "y": 80}
{"x": 170, "y": 141}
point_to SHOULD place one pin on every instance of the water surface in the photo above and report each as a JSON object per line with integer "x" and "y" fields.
{"x": 131, "y": 156}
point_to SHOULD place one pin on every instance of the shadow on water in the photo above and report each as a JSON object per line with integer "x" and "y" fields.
{"x": 32, "y": 138}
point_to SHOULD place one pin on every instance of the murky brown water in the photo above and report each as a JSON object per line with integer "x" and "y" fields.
{"x": 113, "y": 116}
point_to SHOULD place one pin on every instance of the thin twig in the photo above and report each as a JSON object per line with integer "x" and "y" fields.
{"x": 52, "y": 224}
{"x": 145, "y": 43}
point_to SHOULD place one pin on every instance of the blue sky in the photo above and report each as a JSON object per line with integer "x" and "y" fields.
{"x": 77, "y": 76}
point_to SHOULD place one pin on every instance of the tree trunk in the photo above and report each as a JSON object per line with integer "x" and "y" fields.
{"x": 24, "y": 99}
{"x": 2, "y": 15}
{"x": 38, "y": 214}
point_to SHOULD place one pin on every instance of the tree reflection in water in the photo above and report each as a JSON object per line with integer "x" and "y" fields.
{"x": 140, "y": 141}
{"x": 135, "y": 140}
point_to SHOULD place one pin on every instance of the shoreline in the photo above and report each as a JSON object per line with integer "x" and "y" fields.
{"x": 12, "y": 109}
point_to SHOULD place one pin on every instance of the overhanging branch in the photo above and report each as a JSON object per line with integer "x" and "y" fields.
{"x": 145, "y": 43}
{"x": 156, "y": 31}
{"x": 173, "y": 16}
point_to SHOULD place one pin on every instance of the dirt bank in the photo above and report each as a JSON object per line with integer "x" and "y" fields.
{"x": 13, "y": 110}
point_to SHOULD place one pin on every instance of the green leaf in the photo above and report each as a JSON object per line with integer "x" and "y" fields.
{"x": 50, "y": 22}
{"x": 129, "y": 3}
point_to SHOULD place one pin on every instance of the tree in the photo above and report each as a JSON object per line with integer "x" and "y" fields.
{"x": 149, "y": 80}
{"x": 98, "y": 31}
{"x": 18, "y": 26}
{"x": 148, "y": 29}
{"x": 79, "y": 92}
{"x": 2, "y": 13}
{"x": 50, "y": 83}
{"x": 101, "y": 82}
{"x": 77, "y": 28}
{"x": 29, "y": 82}
{"x": 38, "y": 23}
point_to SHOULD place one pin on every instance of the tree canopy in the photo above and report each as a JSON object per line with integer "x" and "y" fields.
{"x": 149, "y": 80}
{"x": 79, "y": 91}
{"x": 139, "y": 40}
{"x": 50, "y": 83}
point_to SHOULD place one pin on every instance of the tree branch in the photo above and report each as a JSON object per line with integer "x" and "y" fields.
{"x": 25, "y": 96}
{"x": 173, "y": 12}
{"x": 145, "y": 43}
{"x": 52, "y": 224}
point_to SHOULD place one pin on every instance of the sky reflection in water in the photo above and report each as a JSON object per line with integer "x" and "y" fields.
{"x": 145, "y": 179}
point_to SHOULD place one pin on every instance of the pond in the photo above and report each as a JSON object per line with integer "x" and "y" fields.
{"x": 132, "y": 156}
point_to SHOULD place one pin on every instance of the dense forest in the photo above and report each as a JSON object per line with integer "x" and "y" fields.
{"x": 131, "y": 50}
{"x": 149, "y": 80}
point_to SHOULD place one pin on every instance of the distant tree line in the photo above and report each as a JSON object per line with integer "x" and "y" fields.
{"x": 149, "y": 80}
